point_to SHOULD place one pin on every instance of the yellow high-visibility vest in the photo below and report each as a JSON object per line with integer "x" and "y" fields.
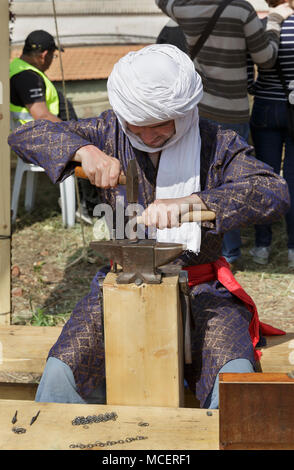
{"x": 20, "y": 115}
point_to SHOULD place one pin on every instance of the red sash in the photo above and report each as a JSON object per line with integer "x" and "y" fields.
{"x": 221, "y": 271}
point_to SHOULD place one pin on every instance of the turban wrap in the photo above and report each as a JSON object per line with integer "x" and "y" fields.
{"x": 156, "y": 84}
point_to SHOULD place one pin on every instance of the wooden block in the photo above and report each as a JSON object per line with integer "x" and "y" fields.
{"x": 143, "y": 343}
{"x": 25, "y": 348}
{"x": 168, "y": 428}
{"x": 256, "y": 411}
{"x": 278, "y": 355}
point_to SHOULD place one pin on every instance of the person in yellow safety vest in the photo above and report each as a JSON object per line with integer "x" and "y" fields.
{"x": 32, "y": 94}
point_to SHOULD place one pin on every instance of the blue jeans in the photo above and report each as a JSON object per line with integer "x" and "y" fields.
{"x": 57, "y": 384}
{"x": 235, "y": 366}
{"x": 269, "y": 133}
{"x": 231, "y": 249}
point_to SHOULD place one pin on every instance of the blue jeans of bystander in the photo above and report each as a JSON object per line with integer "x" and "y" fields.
{"x": 269, "y": 134}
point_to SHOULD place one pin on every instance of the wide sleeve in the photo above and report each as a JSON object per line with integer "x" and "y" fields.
{"x": 241, "y": 189}
{"x": 52, "y": 145}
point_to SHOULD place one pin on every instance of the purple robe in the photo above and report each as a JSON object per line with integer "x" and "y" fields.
{"x": 239, "y": 188}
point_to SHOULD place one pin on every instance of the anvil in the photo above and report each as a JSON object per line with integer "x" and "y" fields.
{"x": 138, "y": 259}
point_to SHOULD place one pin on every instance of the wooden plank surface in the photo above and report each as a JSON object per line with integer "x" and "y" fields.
{"x": 168, "y": 428}
{"x": 278, "y": 355}
{"x": 143, "y": 343}
{"x": 256, "y": 415}
{"x": 25, "y": 348}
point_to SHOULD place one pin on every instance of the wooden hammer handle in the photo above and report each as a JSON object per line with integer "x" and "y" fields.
{"x": 197, "y": 216}
{"x": 79, "y": 172}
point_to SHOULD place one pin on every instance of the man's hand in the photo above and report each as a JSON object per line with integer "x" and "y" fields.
{"x": 167, "y": 213}
{"x": 102, "y": 170}
{"x": 280, "y": 12}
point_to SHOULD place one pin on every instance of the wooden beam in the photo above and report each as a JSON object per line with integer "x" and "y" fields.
{"x": 165, "y": 428}
{"x": 256, "y": 411}
{"x": 18, "y": 391}
{"x": 143, "y": 343}
{"x": 5, "y": 298}
{"x": 25, "y": 348}
{"x": 278, "y": 355}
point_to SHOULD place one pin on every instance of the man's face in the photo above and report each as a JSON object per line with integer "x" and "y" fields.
{"x": 154, "y": 135}
{"x": 44, "y": 60}
{"x": 48, "y": 59}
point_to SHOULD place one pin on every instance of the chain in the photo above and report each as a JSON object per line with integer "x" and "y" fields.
{"x": 107, "y": 443}
{"x": 82, "y": 420}
{"x": 19, "y": 430}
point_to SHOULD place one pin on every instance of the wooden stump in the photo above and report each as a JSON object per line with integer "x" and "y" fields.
{"x": 143, "y": 343}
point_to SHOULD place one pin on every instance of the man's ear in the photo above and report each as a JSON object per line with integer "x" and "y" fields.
{"x": 43, "y": 56}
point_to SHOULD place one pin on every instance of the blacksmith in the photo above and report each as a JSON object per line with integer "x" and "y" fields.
{"x": 180, "y": 158}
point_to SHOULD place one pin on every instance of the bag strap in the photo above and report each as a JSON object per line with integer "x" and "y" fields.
{"x": 282, "y": 78}
{"x": 209, "y": 27}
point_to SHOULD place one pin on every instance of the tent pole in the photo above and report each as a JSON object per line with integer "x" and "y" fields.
{"x": 5, "y": 226}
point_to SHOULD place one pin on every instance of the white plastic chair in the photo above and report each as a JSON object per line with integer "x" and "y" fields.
{"x": 67, "y": 192}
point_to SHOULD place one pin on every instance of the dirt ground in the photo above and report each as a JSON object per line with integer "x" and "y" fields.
{"x": 46, "y": 283}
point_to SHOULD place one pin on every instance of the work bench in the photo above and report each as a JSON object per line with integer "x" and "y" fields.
{"x": 134, "y": 428}
{"x": 256, "y": 410}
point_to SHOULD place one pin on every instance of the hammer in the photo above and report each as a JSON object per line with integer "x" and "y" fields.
{"x": 131, "y": 182}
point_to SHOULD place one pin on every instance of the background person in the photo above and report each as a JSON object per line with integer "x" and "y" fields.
{"x": 34, "y": 96}
{"x": 222, "y": 64}
{"x": 270, "y": 133}
{"x": 171, "y": 33}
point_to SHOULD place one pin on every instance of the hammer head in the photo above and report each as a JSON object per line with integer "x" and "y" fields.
{"x": 132, "y": 182}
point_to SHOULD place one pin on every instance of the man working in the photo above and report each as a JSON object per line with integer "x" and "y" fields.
{"x": 222, "y": 64}
{"x": 180, "y": 159}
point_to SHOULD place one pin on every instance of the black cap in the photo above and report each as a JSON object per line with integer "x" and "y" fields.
{"x": 39, "y": 41}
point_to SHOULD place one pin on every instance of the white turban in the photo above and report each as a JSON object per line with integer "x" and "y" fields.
{"x": 155, "y": 84}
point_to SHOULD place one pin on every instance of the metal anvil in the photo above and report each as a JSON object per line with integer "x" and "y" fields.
{"x": 139, "y": 259}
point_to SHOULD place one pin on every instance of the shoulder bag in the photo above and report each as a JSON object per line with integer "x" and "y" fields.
{"x": 207, "y": 30}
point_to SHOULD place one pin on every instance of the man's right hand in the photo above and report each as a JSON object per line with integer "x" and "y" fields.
{"x": 102, "y": 170}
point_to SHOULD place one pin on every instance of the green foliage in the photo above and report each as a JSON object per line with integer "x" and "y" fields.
{"x": 40, "y": 318}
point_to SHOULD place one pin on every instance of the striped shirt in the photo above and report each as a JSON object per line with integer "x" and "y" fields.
{"x": 268, "y": 84}
{"x": 222, "y": 61}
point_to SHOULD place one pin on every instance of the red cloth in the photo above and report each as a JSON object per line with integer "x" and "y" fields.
{"x": 221, "y": 271}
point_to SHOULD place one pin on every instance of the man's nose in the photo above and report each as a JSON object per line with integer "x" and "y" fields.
{"x": 147, "y": 135}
